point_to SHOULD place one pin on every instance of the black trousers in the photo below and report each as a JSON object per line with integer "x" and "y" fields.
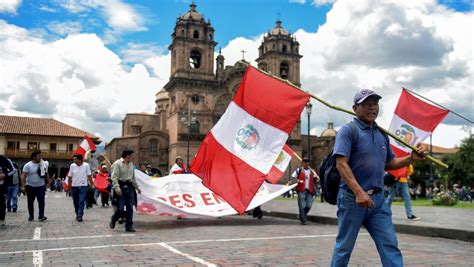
{"x": 37, "y": 193}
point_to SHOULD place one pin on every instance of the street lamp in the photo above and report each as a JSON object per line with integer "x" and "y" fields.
{"x": 309, "y": 107}
{"x": 188, "y": 120}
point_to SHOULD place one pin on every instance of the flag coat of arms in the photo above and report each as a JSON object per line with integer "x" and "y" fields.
{"x": 240, "y": 150}
{"x": 414, "y": 120}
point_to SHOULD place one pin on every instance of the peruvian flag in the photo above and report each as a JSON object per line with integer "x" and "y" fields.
{"x": 414, "y": 120}
{"x": 280, "y": 165}
{"x": 238, "y": 153}
{"x": 85, "y": 146}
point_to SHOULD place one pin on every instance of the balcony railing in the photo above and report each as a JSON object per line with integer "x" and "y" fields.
{"x": 47, "y": 154}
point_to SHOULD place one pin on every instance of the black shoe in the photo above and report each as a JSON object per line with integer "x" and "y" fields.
{"x": 79, "y": 219}
{"x": 112, "y": 224}
{"x": 120, "y": 221}
{"x": 413, "y": 218}
{"x": 14, "y": 209}
{"x": 30, "y": 219}
{"x": 304, "y": 223}
{"x": 9, "y": 209}
{"x": 130, "y": 230}
{"x": 260, "y": 216}
{"x": 42, "y": 219}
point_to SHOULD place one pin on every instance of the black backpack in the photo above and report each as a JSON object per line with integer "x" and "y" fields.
{"x": 328, "y": 173}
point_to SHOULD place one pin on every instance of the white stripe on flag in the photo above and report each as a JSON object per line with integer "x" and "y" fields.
{"x": 407, "y": 132}
{"x": 253, "y": 141}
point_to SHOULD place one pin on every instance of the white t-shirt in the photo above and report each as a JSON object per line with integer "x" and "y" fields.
{"x": 79, "y": 174}
{"x": 307, "y": 175}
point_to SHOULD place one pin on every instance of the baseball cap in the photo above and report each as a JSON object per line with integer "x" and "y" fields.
{"x": 363, "y": 94}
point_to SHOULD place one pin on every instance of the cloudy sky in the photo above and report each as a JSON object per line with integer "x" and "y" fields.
{"x": 88, "y": 62}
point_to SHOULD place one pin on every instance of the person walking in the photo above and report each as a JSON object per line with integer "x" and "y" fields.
{"x": 178, "y": 167}
{"x": 34, "y": 178}
{"x": 401, "y": 186}
{"x": 305, "y": 189}
{"x": 79, "y": 175}
{"x": 124, "y": 186}
{"x": 362, "y": 164}
{"x": 13, "y": 187}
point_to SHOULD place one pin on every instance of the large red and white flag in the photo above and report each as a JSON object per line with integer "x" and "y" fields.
{"x": 85, "y": 146}
{"x": 280, "y": 165}
{"x": 414, "y": 120}
{"x": 240, "y": 150}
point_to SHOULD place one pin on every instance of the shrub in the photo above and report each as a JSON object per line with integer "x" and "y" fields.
{"x": 444, "y": 198}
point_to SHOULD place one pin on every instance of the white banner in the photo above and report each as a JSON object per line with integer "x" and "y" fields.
{"x": 184, "y": 195}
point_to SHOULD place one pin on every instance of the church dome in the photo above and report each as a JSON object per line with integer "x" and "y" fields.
{"x": 162, "y": 95}
{"x": 278, "y": 30}
{"x": 329, "y": 132}
{"x": 192, "y": 14}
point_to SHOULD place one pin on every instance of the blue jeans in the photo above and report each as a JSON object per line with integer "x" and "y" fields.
{"x": 305, "y": 201}
{"x": 378, "y": 222}
{"x": 125, "y": 200}
{"x": 79, "y": 194}
{"x": 39, "y": 193}
{"x": 403, "y": 189}
{"x": 12, "y": 196}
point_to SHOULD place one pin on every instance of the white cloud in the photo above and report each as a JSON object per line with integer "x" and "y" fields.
{"x": 83, "y": 83}
{"x": 9, "y": 6}
{"x": 123, "y": 17}
{"x": 119, "y": 16}
{"x": 64, "y": 28}
{"x": 323, "y": 2}
{"x": 385, "y": 46}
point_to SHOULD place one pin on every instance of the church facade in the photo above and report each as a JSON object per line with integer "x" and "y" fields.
{"x": 199, "y": 90}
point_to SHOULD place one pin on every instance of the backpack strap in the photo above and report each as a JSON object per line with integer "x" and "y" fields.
{"x": 355, "y": 135}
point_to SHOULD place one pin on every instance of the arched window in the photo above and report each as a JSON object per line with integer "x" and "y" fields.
{"x": 210, "y": 36}
{"x": 196, "y": 35}
{"x": 283, "y": 49}
{"x": 284, "y": 70}
{"x": 182, "y": 32}
{"x": 195, "y": 59}
{"x": 194, "y": 127}
{"x": 153, "y": 146}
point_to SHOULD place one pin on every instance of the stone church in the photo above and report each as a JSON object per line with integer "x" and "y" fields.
{"x": 199, "y": 90}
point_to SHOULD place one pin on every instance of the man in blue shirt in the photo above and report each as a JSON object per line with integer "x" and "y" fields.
{"x": 362, "y": 164}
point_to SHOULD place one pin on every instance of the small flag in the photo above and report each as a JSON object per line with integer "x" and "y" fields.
{"x": 85, "y": 146}
{"x": 280, "y": 165}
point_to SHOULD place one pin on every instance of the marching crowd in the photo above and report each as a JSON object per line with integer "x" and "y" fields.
{"x": 362, "y": 154}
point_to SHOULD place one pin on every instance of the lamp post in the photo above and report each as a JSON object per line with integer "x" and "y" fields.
{"x": 431, "y": 179}
{"x": 309, "y": 107}
{"x": 187, "y": 120}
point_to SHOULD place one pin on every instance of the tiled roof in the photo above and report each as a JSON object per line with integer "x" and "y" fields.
{"x": 39, "y": 126}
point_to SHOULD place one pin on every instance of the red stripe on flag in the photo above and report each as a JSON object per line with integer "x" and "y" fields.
{"x": 402, "y": 172}
{"x": 418, "y": 113}
{"x": 218, "y": 170}
{"x": 288, "y": 150}
{"x": 270, "y": 100}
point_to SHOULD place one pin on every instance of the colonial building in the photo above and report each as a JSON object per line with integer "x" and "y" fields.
{"x": 19, "y": 136}
{"x": 320, "y": 145}
{"x": 199, "y": 90}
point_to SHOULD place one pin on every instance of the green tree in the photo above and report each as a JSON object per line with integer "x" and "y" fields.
{"x": 461, "y": 165}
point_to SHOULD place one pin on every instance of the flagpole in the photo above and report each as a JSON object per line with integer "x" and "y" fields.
{"x": 428, "y": 157}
